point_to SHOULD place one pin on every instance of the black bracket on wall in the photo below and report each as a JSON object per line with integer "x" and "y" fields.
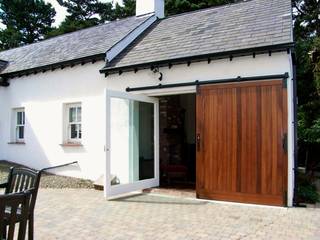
{"x": 285, "y": 80}
{"x": 4, "y": 82}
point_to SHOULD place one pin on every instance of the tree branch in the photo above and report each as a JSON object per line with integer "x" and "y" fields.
{"x": 297, "y": 7}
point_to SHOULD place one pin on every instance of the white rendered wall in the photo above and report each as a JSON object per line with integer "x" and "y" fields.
{"x": 44, "y": 94}
{"x": 150, "y": 6}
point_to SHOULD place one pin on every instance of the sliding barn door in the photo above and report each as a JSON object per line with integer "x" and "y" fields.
{"x": 241, "y": 142}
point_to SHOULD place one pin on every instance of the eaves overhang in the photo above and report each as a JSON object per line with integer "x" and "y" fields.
{"x": 54, "y": 66}
{"x": 109, "y": 69}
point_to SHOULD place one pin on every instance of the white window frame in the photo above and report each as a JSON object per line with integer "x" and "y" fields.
{"x": 68, "y": 124}
{"x": 17, "y": 126}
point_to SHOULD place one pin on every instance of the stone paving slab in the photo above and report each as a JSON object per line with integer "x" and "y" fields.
{"x": 85, "y": 214}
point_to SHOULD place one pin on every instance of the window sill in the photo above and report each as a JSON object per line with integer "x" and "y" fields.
{"x": 71, "y": 145}
{"x": 16, "y": 143}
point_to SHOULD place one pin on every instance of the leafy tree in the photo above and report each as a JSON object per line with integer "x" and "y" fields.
{"x": 181, "y": 6}
{"x": 128, "y": 9}
{"x": 308, "y": 74}
{"x": 83, "y": 14}
{"x": 316, "y": 59}
{"x": 10, "y": 38}
{"x": 26, "y": 21}
{"x": 84, "y": 10}
{"x": 307, "y": 36}
{"x": 307, "y": 21}
{"x": 87, "y": 13}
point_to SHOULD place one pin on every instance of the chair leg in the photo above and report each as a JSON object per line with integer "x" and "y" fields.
{"x": 30, "y": 227}
{"x": 22, "y": 230}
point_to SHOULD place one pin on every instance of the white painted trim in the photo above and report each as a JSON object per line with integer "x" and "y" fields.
{"x": 66, "y": 123}
{"x": 137, "y": 97}
{"x": 128, "y": 39}
{"x": 107, "y": 146}
{"x": 172, "y": 91}
{"x": 291, "y": 156}
{"x": 131, "y": 187}
{"x": 109, "y": 190}
{"x": 15, "y": 125}
{"x": 107, "y": 143}
{"x": 159, "y": 8}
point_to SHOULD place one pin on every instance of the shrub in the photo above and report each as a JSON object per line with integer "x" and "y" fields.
{"x": 306, "y": 189}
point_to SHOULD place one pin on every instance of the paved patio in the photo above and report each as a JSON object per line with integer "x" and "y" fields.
{"x": 85, "y": 214}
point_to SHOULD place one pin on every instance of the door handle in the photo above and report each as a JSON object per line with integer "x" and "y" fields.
{"x": 198, "y": 142}
{"x": 285, "y": 143}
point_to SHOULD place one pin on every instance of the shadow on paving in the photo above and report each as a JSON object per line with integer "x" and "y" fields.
{"x": 156, "y": 199}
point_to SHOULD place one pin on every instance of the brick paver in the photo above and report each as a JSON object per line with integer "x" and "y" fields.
{"x": 85, "y": 214}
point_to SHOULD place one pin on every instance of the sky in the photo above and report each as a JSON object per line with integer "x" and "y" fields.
{"x": 61, "y": 11}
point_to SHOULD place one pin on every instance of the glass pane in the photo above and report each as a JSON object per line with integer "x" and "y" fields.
{"x": 20, "y": 132}
{"x": 146, "y": 140}
{"x": 79, "y": 131}
{"x": 19, "y": 118}
{"x": 79, "y": 114}
{"x": 23, "y": 118}
{"x": 132, "y": 141}
{"x": 72, "y": 114}
{"x": 73, "y": 131}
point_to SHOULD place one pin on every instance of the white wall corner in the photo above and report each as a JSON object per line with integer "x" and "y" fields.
{"x": 128, "y": 39}
{"x": 291, "y": 138}
{"x": 150, "y": 6}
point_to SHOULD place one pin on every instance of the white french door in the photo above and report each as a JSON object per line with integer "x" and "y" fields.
{"x": 132, "y": 143}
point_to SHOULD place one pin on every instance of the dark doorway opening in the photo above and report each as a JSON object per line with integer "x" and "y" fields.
{"x": 177, "y": 128}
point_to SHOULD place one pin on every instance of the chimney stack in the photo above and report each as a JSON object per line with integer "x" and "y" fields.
{"x": 150, "y": 6}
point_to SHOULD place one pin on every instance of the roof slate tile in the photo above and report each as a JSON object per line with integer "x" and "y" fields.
{"x": 248, "y": 24}
{"x": 71, "y": 46}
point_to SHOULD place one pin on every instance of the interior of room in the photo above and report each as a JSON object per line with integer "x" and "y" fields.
{"x": 177, "y": 128}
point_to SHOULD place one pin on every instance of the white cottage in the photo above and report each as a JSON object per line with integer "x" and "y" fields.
{"x": 204, "y": 98}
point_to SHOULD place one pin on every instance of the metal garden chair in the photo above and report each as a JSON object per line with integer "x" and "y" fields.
{"x": 14, "y": 210}
{"x": 23, "y": 179}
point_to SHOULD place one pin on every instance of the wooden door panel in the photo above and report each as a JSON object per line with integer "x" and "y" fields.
{"x": 240, "y": 155}
{"x": 217, "y": 140}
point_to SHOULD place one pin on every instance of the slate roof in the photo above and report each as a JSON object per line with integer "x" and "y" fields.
{"x": 71, "y": 46}
{"x": 248, "y": 24}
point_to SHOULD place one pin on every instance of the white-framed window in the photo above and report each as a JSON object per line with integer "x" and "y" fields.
{"x": 73, "y": 123}
{"x": 19, "y": 121}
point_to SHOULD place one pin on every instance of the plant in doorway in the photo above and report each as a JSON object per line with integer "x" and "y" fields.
{"x": 306, "y": 189}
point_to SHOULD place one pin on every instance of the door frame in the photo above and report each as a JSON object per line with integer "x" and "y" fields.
{"x": 112, "y": 191}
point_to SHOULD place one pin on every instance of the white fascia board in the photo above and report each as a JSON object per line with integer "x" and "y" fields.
{"x": 129, "y": 38}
